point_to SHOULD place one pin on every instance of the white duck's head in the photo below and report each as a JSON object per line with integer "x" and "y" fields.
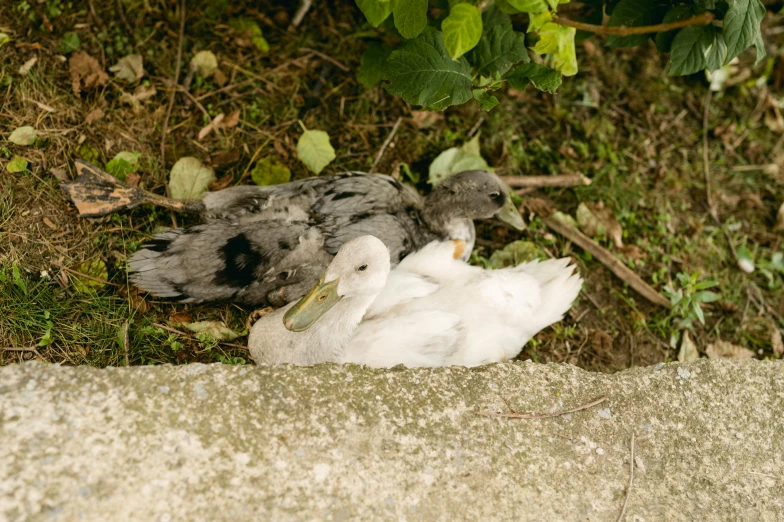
{"x": 360, "y": 269}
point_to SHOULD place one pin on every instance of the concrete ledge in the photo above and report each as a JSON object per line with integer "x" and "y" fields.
{"x": 348, "y": 443}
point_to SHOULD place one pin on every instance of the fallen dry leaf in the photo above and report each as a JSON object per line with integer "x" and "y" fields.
{"x": 776, "y": 342}
{"x": 779, "y": 226}
{"x": 48, "y": 223}
{"x": 132, "y": 179}
{"x": 143, "y": 92}
{"x": 86, "y": 73}
{"x": 423, "y": 119}
{"x": 225, "y": 157}
{"x": 596, "y": 220}
{"x": 25, "y": 68}
{"x": 220, "y": 78}
{"x": 632, "y": 252}
{"x": 688, "y": 351}
{"x": 93, "y": 116}
{"x": 231, "y": 120}
{"x": 177, "y": 318}
{"x": 42, "y": 106}
{"x": 724, "y": 350}
{"x": 60, "y": 173}
{"x": 129, "y": 68}
{"x": 220, "y": 184}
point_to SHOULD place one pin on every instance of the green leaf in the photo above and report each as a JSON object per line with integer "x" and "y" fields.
{"x": 204, "y": 63}
{"x": 422, "y": 73}
{"x": 371, "y": 67}
{"x": 456, "y": 159}
{"x": 376, "y": 11}
{"x": 69, "y": 43}
{"x": 498, "y": 50}
{"x": 95, "y": 269}
{"x": 252, "y": 31}
{"x": 215, "y": 329}
{"x": 462, "y": 29}
{"x": 19, "y": 280}
{"x": 515, "y": 253}
{"x": 189, "y": 179}
{"x": 410, "y": 17}
{"x": 542, "y": 77}
{"x": 17, "y": 164}
{"x": 742, "y": 26}
{"x": 23, "y": 136}
{"x": 559, "y": 41}
{"x": 486, "y": 101}
{"x": 269, "y": 171}
{"x": 528, "y": 6}
{"x": 314, "y": 150}
{"x": 695, "y": 48}
{"x": 706, "y": 297}
{"x": 537, "y": 20}
{"x": 493, "y": 16}
{"x": 4, "y": 38}
{"x": 123, "y": 164}
{"x": 634, "y": 13}
{"x": 676, "y": 14}
{"x": 698, "y": 312}
{"x": 88, "y": 153}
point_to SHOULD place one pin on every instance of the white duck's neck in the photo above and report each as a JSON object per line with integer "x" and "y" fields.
{"x": 332, "y": 332}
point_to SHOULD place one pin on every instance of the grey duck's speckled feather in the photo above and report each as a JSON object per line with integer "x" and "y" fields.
{"x": 269, "y": 245}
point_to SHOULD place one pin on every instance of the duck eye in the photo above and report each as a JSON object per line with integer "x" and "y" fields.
{"x": 362, "y": 268}
{"x": 495, "y": 195}
{"x": 321, "y": 298}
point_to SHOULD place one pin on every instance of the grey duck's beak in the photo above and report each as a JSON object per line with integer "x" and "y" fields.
{"x": 509, "y": 215}
{"x": 310, "y": 308}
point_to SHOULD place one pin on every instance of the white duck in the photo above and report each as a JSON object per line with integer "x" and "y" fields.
{"x": 431, "y": 310}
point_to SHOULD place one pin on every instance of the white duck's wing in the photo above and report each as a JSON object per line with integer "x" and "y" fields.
{"x": 439, "y": 261}
{"x": 427, "y": 338}
{"x": 401, "y": 288}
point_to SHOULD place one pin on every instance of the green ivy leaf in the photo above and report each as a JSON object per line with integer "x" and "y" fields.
{"x": 634, "y": 13}
{"x": 528, "y": 6}
{"x": 499, "y": 50}
{"x": 69, "y": 43}
{"x": 486, "y": 101}
{"x": 189, "y": 179}
{"x": 422, "y": 73}
{"x": 559, "y": 41}
{"x": 123, "y": 164}
{"x": 695, "y": 48}
{"x": 371, "y": 66}
{"x": 676, "y": 14}
{"x": 269, "y": 171}
{"x": 16, "y": 165}
{"x": 462, "y": 29}
{"x": 314, "y": 150}
{"x": 542, "y": 77}
{"x": 376, "y": 11}
{"x": 742, "y": 27}
{"x": 410, "y": 17}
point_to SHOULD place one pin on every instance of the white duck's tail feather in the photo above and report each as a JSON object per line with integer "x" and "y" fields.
{"x": 560, "y": 287}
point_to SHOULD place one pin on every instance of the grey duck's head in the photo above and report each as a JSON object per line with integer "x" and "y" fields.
{"x": 473, "y": 194}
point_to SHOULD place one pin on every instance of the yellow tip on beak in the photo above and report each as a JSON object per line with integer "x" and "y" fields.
{"x": 510, "y": 215}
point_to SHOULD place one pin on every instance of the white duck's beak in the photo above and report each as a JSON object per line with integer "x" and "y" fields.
{"x": 310, "y": 308}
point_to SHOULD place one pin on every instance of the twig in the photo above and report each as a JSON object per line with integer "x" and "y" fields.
{"x": 124, "y": 20}
{"x": 564, "y": 180}
{"x": 386, "y": 144}
{"x": 18, "y": 349}
{"x": 631, "y": 482}
{"x": 302, "y": 10}
{"x": 80, "y": 274}
{"x": 325, "y": 57}
{"x": 95, "y": 14}
{"x": 174, "y": 89}
{"x": 476, "y": 126}
{"x": 126, "y": 342}
{"x": 622, "y": 30}
{"x": 511, "y": 414}
{"x": 225, "y": 89}
{"x": 705, "y": 162}
{"x": 172, "y": 330}
{"x": 603, "y": 255}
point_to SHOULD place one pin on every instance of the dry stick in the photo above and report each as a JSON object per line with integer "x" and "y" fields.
{"x": 603, "y": 255}
{"x": 631, "y": 482}
{"x": 622, "y": 30}
{"x": 126, "y": 343}
{"x": 80, "y": 274}
{"x": 386, "y": 144}
{"x": 705, "y": 162}
{"x": 302, "y": 10}
{"x": 124, "y": 20}
{"x": 174, "y": 88}
{"x": 564, "y": 180}
{"x": 324, "y": 57}
{"x": 514, "y": 415}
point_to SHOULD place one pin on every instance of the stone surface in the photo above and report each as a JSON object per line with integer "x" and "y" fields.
{"x": 348, "y": 443}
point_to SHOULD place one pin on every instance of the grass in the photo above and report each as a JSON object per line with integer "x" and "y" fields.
{"x": 635, "y": 132}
